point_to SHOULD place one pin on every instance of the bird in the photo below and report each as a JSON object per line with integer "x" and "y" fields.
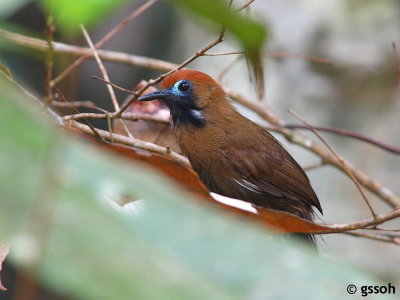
{"x": 232, "y": 155}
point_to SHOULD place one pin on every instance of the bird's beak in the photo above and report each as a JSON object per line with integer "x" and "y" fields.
{"x": 160, "y": 94}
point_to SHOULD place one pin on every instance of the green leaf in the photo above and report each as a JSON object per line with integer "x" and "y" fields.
{"x": 250, "y": 33}
{"x": 69, "y": 14}
{"x": 54, "y": 190}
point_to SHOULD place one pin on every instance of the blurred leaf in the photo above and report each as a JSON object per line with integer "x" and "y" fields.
{"x": 68, "y": 14}
{"x": 53, "y": 192}
{"x": 281, "y": 221}
{"x": 250, "y": 33}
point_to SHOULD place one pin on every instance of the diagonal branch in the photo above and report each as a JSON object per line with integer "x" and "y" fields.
{"x": 162, "y": 76}
{"x": 349, "y": 133}
{"x": 105, "y": 76}
{"x": 104, "y": 40}
{"x": 106, "y": 135}
{"x": 344, "y": 165}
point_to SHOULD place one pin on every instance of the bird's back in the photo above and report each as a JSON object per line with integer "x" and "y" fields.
{"x": 237, "y": 158}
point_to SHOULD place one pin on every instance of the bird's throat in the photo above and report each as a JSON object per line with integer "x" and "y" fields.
{"x": 183, "y": 116}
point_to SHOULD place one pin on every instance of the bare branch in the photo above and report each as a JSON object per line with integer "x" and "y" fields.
{"x": 133, "y": 142}
{"x": 162, "y": 76}
{"x": 224, "y": 53}
{"x": 277, "y": 55}
{"x": 316, "y": 59}
{"x": 105, "y": 39}
{"x": 349, "y": 133}
{"x": 340, "y": 159}
{"x": 225, "y": 70}
{"x": 314, "y": 166}
{"x": 247, "y": 4}
{"x": 371, "y": 222}
{"x": 376, "y": 237}
{"x": 396, "y": 63}
{"x": 114, "y": 85}
{"x": 124, "y": 116}
{"x": 105, "y": 76}
{"x": 74, "y": 104}
{"x": 77, "y": 111}
{"x": 49, "y": 32}
{"x": 61, "y": 48}
{"x": 295, "y": 137}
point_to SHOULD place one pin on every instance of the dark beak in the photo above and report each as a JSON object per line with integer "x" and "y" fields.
{"x": 160, "y": 94}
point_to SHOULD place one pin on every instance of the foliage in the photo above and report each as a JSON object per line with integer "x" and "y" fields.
{"x": 68, "y": 14}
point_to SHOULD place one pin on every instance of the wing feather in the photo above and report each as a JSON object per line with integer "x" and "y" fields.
{"x": 263, "y": 166}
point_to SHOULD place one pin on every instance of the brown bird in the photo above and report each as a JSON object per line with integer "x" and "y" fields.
{"x": 233, "y": 156}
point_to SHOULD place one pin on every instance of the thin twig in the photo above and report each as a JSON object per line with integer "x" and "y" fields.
{"x": 277, "y": 55}
{"x": 377, "y": 237}
{"x": 386, "y": 229}
{"x": 124, "y": 116}
{"x": 77, "y": 112}
{"x": 73, "y": 104}
{"x": 114, "y": 85}
{"x": 49, "y": 32}
{"x": 104, "y": 40}
{"x": 228, "y": 68}
{"x": 396, "y": 62}
{"x": 247, "y": 4}
{"x": 162, "y": 76}
{"x": 339, "y": 158}
{"x": 295, "y": 137}
{"x": 259, "y": 108}
{"x": 105, "y": 76}
{"x": 133, "y": 142}
{"x": 101, "y": 67}
{"x": 224, "y": 53}
{"x": 61, "y": 48}
{"x": 349, "y": 133}
{"x": 378, "y": 219}
{"x": 316, "y": 59}
{"x": 314, "y": 166}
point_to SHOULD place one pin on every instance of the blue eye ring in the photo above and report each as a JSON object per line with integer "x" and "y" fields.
{"x": 182, "y": 86}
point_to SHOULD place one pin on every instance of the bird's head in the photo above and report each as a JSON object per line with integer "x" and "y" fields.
{"x": 188, "y": 94}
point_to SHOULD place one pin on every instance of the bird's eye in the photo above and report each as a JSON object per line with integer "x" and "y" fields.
{"x": 183, "y": 86}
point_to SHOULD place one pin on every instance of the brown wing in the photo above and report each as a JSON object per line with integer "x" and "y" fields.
{"x": 268, "y": 173}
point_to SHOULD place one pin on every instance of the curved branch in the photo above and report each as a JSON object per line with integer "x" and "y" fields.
{"x": 131, "y": 141}
{"x": 328, "y": 158}
{"x": 378, "y": 219}
{"x": 349, "y": 133}
{"x": 124, "y": 116}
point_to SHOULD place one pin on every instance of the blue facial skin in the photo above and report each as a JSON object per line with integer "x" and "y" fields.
{"x": 181, "y": 101}
{"x": 182, "y": 105}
